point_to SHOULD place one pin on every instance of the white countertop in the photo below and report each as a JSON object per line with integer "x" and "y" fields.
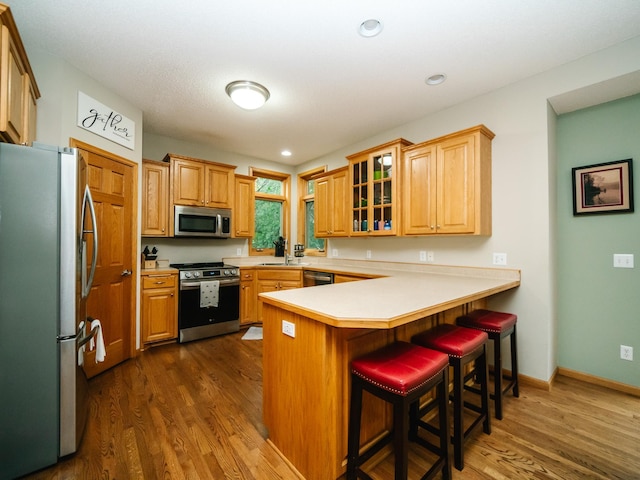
{"x": 406, "y": 293}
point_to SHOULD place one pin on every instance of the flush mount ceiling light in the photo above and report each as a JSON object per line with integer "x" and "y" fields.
{"x": 436, "y": 79}
{"x": 285, "y": 153}
{"x": 370, "y": 28}
{"x": 246, "y": 94}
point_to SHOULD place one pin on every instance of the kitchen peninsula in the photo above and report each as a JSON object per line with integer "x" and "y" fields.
{"x": 306, "y": 372}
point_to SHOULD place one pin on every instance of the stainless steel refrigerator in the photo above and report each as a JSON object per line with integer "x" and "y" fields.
{"x": 46, "y": 234}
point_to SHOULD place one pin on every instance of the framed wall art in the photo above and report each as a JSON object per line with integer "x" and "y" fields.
{"x": 603, "y": 188}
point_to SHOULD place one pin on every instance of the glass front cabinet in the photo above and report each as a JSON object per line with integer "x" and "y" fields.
{"x": 374, "y": 197}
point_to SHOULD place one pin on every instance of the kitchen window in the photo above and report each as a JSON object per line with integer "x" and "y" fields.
{"x": 271, "y": 209}
{"x": 306, "y": 215}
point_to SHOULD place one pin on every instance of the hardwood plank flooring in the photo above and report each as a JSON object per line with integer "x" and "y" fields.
{"x": 194, "y": 411}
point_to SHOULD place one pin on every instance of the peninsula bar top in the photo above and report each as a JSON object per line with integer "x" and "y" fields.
{"x": 402, "y": 294}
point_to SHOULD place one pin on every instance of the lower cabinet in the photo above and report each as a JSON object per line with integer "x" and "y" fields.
{"x": 159, "y": 310}
{"x": 248, "y": 296}
{"x": 273, "y": 280}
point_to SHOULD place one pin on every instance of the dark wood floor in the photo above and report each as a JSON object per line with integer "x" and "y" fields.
{"x": 193, "y": 411}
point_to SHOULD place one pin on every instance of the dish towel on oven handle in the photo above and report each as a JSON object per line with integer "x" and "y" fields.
{"x": 209, "y": 293}
{"x": 98, "y": 341}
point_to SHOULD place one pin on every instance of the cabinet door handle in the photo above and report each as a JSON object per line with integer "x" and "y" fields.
{"x": 126, "y": 273}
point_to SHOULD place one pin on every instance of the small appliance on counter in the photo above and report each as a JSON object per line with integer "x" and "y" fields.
{"x": 298, "y": 250}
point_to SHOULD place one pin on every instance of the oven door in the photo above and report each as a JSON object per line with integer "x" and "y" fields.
{"x": 190, "y": 314}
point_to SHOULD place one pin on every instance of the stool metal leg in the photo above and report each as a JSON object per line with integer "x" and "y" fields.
{"x": 400, "y": 434}
{"x": 514, "y": 363}
{"x": 497, "y": 373}
{"x": 484, "y": 390}
{"x": 458, "y": 405}
{"x": 443, "y": 423}
{"x": 355, "y": 413}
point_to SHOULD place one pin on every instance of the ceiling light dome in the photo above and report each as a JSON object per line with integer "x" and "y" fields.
{"x": 246, "y": 94}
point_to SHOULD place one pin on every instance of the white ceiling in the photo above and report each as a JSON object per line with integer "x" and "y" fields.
{"x": 329, "y": 86}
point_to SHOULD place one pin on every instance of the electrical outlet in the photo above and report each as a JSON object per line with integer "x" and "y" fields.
{"x": 626, "y": 353}
{"x": 238, "y": 251}
{"x": 431, "y": 257}
{"x": 368, "y": 254}
{"x": 623, "y": 260}
{"x": 423, "y": 256}
{"x": 334, "y": 252}
{"x": 289, "y": 328}
{"x": 499, "y": 258}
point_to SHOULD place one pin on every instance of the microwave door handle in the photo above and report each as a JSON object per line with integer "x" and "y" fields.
{"x": 87, "y": 283}
{"x": 219, "y": 224}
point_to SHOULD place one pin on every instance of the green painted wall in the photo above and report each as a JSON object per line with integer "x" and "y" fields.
{"x": 598, "y": 305}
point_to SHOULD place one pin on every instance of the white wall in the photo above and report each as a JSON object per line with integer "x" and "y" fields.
{"x": 524, "y": 197}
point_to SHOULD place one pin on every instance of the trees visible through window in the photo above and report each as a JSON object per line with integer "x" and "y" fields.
{"x": 271, "y": 210}
{"x": 306, "y": 218}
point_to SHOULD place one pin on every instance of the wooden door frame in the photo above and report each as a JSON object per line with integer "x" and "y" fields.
{"x": 74, "y": 143}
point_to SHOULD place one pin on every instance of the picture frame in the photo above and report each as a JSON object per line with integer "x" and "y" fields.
{"x": 603, "y": 188}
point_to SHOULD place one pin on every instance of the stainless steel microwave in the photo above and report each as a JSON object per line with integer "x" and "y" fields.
{"x": 202, "y": 222}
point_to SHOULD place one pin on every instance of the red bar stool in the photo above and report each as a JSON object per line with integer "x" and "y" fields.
{"x": 497, "y": 325}
{"x": 399, "y": 374}
{"x": 464, "y": 346}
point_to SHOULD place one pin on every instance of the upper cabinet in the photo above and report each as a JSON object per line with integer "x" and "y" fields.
{"x": 155, "y": 199}
{"x": 374, "y": 196}
{"x": 244, "y": 210}
{"x": 18, "y": 88}
{"x": 447, "y": 185}
{"x": 200, "y": 183}
{"x": 330, "y": 207}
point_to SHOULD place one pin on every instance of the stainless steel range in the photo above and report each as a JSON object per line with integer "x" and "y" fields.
{"x": 208, "y": 300}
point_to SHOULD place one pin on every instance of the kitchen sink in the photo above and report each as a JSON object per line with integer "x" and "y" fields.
{"x": 271, "y": 264}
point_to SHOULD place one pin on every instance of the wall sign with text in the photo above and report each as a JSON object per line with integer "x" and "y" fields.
{"x": 104, "y": 121}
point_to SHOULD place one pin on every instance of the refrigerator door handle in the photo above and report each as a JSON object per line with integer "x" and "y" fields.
{"x": 88, "y": 200}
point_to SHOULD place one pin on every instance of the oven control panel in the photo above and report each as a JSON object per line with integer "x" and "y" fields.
{"x": 215, "y": 273}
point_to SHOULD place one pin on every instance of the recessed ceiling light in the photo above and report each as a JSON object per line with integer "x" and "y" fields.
{"x": 246, "y": 94}
{"x": 436, "y": 79}
{"x": 285, "y": 153}
{"x": 370, "y": 28}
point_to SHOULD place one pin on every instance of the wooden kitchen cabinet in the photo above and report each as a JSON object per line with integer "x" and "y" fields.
{"x": 200, "y": 183}
{"x": 273, "y": 280}
{"x": 18, "y": 89}
{"x": 155, "y": 199}
{"x": 374, "y": 197}
{"x": 330, "y": 204}
{"x": 159, "y": 309}
{"x": 447, "y": 185}
{"x": 248, "y": 296}
{"x": 244, "y": 206}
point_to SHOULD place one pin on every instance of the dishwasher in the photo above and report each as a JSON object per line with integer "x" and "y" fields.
{"x": 311, "y": 278}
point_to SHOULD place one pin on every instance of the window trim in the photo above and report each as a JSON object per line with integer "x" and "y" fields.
{"x": 285, "y": 178}
{"x": 303, "y": 179}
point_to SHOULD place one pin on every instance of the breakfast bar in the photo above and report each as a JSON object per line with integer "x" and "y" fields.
{"x": 312, "y": 334}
